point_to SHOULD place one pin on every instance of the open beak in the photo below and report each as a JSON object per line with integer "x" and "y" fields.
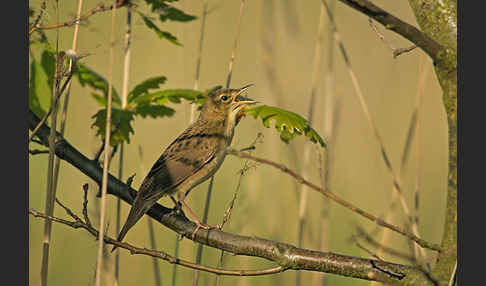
{"x": 240, "y": 100}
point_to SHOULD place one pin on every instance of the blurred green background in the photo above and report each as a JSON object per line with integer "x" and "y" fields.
{"x": 275, "y": 52}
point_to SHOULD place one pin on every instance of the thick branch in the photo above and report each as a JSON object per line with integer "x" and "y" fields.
{"x": 389, "y": 21}
{"x": 438, "y": 19}
{"x": 285, "y": 255}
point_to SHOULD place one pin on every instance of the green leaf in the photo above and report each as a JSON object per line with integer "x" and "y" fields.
{"x": 287, "y": 123}
{"x": 145, "y": 86}
{"x": 168, "y": 12}
{"x": 161, "y": 34}
{"x": 40, "y": 92}
{"x": 154, "y": 111}
{"x": 121, "y": 125}
{"x": 87, "y": 76}
{"x": 170, "y": 95}
{"x": 174, "y": 14}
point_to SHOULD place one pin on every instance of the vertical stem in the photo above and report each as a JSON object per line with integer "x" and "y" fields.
{"x": 176, "y": 255}
{"x": 235, "y": 44}
{"x": 199, "y": 56}
{"x": 330, "y": 120}
{"x": 51, "y": 190}
{"x": 195, "y": 281}
{"x": 155, "y": 261}
{"x": 126, "y": 74}
{"x": 68, "y": 93}
{"x": 118, "y": 208}
{"x": 303, "y": 193}
{"x": 106, "y": 152}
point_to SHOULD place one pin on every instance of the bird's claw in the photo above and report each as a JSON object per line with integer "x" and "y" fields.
{"x": 200, "y": 225}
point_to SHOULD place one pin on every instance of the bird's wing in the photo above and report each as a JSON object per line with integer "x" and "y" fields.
{"x": 186, "y": 155}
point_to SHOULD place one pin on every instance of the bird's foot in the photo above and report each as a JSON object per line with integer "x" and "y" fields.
{"x": 200, "y": 225}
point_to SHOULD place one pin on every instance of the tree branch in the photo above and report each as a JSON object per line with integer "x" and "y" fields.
{"x": 285, "y": 255}
{"x": 389, "y": 21}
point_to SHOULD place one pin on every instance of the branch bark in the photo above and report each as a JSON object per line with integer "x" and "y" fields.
{"x": 390, "y": 22}
{"x": 438, "y": 19}
{"x": 285, "y": 255}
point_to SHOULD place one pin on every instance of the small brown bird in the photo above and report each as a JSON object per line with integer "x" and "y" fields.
{"x": 191, "y": 158}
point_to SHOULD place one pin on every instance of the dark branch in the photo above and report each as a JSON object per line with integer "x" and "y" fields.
{"x": 411, "y": 33}
{"x": 285, "y": 255}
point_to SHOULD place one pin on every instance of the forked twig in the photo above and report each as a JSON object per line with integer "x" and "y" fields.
{"x": 396, "y": 51}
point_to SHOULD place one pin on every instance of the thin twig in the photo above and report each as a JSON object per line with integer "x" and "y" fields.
{"x": 107, "y": 145}
{"x": 229, "y": 209}
{"x": 337, "y": 199}
{"x": 126, "y": 73}
{"x": 39, "y": 16}
{"x": 51, "y": 190}
{"x": 78, "y": 223}
{"x": 99, "y": 8}
{"x": 396, "y": 51}
{"x": 360, "y": 246}
{"x": 85, "y": 204}
{"x": 360, "y": 233}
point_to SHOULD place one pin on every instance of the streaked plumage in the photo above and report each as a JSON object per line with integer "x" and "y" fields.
{"x": 193, "y": 157}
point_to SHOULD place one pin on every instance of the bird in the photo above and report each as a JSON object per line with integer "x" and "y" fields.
{"x": 193, "y": 157}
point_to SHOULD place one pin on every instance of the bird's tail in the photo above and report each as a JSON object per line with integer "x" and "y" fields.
{"x": 139, "y": 208}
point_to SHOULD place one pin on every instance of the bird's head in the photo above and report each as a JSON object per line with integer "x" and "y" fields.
{"x": 225, "y": 104}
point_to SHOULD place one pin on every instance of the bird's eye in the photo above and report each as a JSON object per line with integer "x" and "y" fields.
{"x": 224, "y": 98}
